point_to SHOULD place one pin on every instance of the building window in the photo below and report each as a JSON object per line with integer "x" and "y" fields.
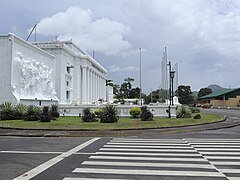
{"x": 68, "y": 69}
{"x": 67, "y": 94}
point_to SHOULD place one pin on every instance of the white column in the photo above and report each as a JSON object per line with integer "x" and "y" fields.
{"x": 84, "y": 85}
{"x": 90, "y": 88}
{"x": 88, "y": 83}
{"x": 80, "y": 85}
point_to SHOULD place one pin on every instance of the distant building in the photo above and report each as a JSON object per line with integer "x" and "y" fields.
{"x": 223, "y": 98}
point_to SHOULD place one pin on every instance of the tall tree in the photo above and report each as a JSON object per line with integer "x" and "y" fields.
{"x": 204, "y": 92}
{"x": 185, "y": 94}
{"x": 126, "y": 87}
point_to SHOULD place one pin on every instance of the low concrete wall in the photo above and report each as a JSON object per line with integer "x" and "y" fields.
{"x": 157, "y": 111}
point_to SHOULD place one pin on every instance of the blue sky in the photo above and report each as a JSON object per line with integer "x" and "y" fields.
{"x": 202, "y": 36}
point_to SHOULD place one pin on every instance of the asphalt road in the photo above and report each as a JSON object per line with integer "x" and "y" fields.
{"x": 213, "y": 154}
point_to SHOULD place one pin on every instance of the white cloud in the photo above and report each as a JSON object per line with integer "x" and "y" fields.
{"x": 102, "y": 35}
{"x": 114, "y": 69}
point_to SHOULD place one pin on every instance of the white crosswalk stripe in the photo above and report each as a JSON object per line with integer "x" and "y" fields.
{"x": 177, "y": 158}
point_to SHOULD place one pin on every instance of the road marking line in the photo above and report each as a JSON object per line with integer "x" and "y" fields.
{"x": 149, "y": 158}
{"x": 157, "y": 144}
{"x": 42, "y": 167}
{"x": 223, "y": 157}
{"x": 233, "y": 178}
{"x": 148, "y": 150}
{"x": 30, "y": 152}
{"x": 216, "y": 149}
{"x": 148, "y": 172}
{"x": 75, "y": 178}
{"x": 230, "y": 171}
{"x": 102, "y": 163}
{"x": 157, "y": 147}
{"x": 136, "y": 139}
{"x": 149, "y": 154}
{"x": 213, "y": 143}
{"x": 215, "y": 146}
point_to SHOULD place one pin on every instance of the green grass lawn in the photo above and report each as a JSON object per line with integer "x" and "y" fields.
{"x": 123, "y": 123}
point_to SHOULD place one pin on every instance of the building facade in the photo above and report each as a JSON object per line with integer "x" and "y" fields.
{"x": 79, "y": 78}
{"x": 41, "y": 73}
{"x": 26, "y": 73}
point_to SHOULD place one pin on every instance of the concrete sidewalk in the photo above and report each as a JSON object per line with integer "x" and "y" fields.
{"x": 227, "y": 123}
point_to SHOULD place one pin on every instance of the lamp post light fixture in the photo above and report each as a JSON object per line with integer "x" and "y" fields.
{"x": 172, "y": 77}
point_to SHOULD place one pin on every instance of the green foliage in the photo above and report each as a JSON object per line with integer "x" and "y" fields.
{"x": 20, "y": 111}
{"x": 54, "y": 111}
{"x": 7, "y": 111}
{"x": 109, "y": 114}
{"x": 185, "y": 94}
{"x": 204, "y": 92}
{"x": 45, "y": 115}
{"x": 33, "y": 113}
{"x": 146, "y": 115}
{"x": 135, "y": 112}
{"x": 156, "y": 96}
{"x": 183, "y": 112}
{"x": 88, "y": 116}
{"x": 197, "y": 116}
{"x": 98, "y": 112}
{"x": 194, "y": 109}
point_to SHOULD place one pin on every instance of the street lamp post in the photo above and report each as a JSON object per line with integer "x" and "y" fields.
{"x": 140, "y": 74}
{"x": 170, "y": 98}
{"x": 172, "y": 76}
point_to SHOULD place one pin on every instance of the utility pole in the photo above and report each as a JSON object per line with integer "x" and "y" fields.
{"x": 140, "y": 74}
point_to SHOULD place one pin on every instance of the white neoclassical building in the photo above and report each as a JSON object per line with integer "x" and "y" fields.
{"x": 44, "y": 73}
{"x": 79, "y": 78}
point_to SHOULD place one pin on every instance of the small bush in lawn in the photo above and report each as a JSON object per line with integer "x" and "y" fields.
{"x": 197, "y": 116}
{"x": 146, "y": 115}
{"x": 20, "y": 111}
{"x": 45, "y": 115}
{"x": 183, "y": 112}
{"x": 98, "y": 112}
{"x": 194, "y": 110}
{"x": 88, "y": 116}
{"x": 54, "y": 111}
{"x": 135, "y": 112}
{"x": 7, "y": 111}
{"x": 33, "y": 113}
{"x": 109, "y": 114}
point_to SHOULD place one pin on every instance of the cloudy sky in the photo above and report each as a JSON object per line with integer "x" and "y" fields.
{"x": 202, "y": 36}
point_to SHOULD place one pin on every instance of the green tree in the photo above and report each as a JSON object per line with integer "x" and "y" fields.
{"x": 204, "y": 92}
{"x": 134, "y": 93}
{"x": 184, "y": 94}
{"x": 126, "y": 87}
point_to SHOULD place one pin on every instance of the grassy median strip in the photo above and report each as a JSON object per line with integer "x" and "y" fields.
{"x": 123, "y": 123}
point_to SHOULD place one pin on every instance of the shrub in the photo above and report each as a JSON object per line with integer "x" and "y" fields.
{"x": 7, "y": 111}
{"x": 109, "y": 114}
{"x": 33, "y": 113}
{"x": 54, "y": 111}
{"x": 183, "y": 112}
{"x": 98, "y": 112}
{"x": 194, "y": 110}
{"x": 88, "y": 116}
{"x": 197, "y": 116}
{"x": 146, "y": 115}
{"x": 45, "y": 115}
{"x": 20, "y": 111}
{"x": 135, "y": 112}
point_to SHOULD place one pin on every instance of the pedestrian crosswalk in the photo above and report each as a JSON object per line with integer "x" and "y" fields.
{"x": 132, "y": 158}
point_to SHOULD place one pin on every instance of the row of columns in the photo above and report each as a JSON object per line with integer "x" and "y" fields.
{"x": 93, "y": 85}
